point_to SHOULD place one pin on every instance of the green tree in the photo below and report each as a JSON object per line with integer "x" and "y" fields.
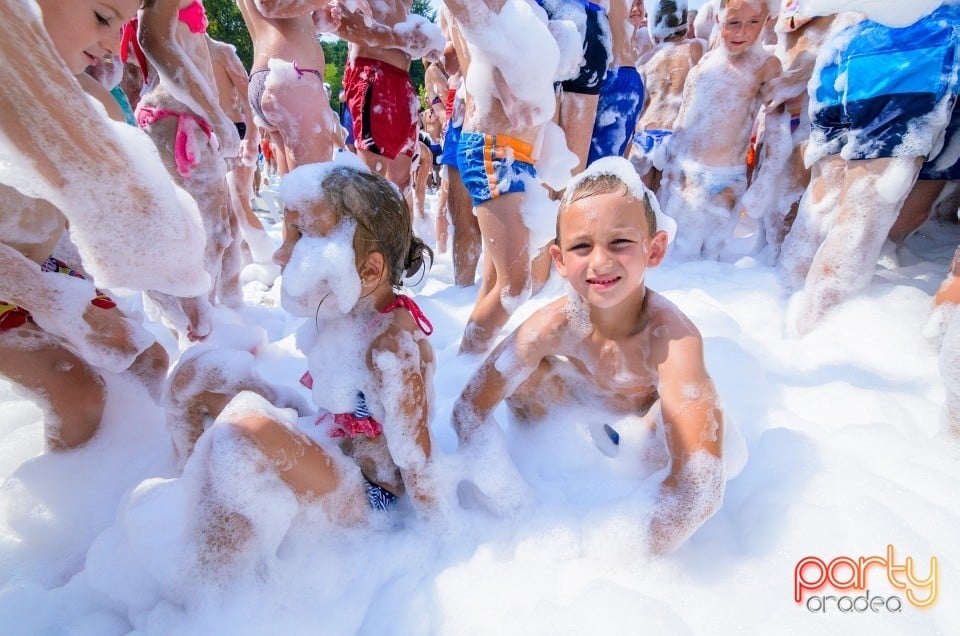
{"x": 227, "y": 25}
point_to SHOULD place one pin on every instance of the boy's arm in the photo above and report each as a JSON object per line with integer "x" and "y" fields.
{"x": 506, "y": 368}
{"x": 158, "y": 37}
{"x": 693, "y": 426}
{"x": 328, "y": 9}
{"x": 416, "y": 36}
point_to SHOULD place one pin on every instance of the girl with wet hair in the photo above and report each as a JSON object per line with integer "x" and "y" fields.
{"x": 348, "y": 246}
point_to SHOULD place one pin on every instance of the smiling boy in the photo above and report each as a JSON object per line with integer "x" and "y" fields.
{"x": 706, "y": 157}
{"x": 612, "y": 344}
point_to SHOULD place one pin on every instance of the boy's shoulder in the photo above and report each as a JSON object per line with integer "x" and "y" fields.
{"x": 666, "y": 321}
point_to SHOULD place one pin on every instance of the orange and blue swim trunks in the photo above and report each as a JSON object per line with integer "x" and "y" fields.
{"x": 494, "y": 165}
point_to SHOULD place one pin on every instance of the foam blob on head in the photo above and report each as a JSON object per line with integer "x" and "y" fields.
{"x": 618, "y": 173}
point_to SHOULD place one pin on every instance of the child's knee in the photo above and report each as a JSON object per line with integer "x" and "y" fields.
{"x": 77, "y": 413}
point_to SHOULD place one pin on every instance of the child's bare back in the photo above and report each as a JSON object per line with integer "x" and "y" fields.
{"x": 665, "y": 71}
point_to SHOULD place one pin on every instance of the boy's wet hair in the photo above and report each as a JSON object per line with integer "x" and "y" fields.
{"x": 761, "y": 4}
{"x": 383, "y": 220}
{"x": 603, "y": 183}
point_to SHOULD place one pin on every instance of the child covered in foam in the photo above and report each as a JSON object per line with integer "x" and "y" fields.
{"x": 610, "y": 344}
{"x": 348, "y": 245}
{"x": 664, "y": 71}
{"x": 721, "y": 99}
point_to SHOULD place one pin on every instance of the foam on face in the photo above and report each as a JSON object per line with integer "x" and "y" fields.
{"x": 321, "y": 276}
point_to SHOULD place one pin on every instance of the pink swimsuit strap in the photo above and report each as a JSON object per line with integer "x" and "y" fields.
{"x": 147, "y": 115}
{"x": 418, "y": 316}
{"x": 194, "y": 16}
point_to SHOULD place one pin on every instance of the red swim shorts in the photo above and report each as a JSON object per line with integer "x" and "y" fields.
{"x": 383, "y": 105}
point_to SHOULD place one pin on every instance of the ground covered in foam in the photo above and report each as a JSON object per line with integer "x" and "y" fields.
{"x": 845, "y": 458}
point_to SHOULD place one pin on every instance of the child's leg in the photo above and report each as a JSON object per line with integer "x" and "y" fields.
{"x": 251, "y": 229}
{"x": 296, "y": 106}
{"x": 867, "y": 210}
{"x": 229, "y": 290}
{"x": 71, "y": 391}
{"x": 506, "y": 281}
{"x": 421, "y": 175}
{"x": 466, "y": 230}
{"x": 150, "y": 368}
{"x": 506, "y": 248}
{"x": 916, "y": 209}
{"x": 201, "y": 385}
{"x": 577, "y": 113}
{"x": 816, "y": 209}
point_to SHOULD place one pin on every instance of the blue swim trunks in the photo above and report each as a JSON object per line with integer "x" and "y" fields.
{"x": 493, "y": 165}
{"x": 596, "y": 53}
{"x": 946, "y": 165}
{"x": 451, "y": 142}
{"x": 652, "y": 143}
{"x": 621, "y": 98}
{"x": 885, "y": 92}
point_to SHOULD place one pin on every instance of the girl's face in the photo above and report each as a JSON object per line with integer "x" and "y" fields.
{"x": 83, "y": 31}
{"x": 318, "y": 262}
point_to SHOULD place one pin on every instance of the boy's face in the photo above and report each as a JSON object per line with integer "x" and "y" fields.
{"x": 638, "y": 14}
{"x": 741, "y": 23}
{"x": 605, "y": 247}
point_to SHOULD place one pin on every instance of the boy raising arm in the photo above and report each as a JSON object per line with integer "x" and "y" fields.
{"x": 613, "y": 344}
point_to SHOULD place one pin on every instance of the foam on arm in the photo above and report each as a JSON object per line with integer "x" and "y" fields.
{"x": 405, "y": 393}
{"x": 693, "y": 426}
{"x": 49, "y": 132}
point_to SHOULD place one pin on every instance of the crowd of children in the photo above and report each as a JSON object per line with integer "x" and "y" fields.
{"x": 532, "y": 110}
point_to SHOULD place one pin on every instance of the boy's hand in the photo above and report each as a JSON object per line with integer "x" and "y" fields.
{"x": 327, "y": 19}
{"x": 775, "y": 92}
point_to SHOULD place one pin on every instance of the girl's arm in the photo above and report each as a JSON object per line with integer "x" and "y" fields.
{"x": 396, "y": 362}
{"x": 60, "y": 304}
{"x": 158, "y": 36}
{"x": 241, "y": 83}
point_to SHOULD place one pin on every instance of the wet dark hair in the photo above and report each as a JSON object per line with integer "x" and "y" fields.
{"x": 603, "y": 183}
{"x": 383, "y": 220}
{"x": 672, "y": 15}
